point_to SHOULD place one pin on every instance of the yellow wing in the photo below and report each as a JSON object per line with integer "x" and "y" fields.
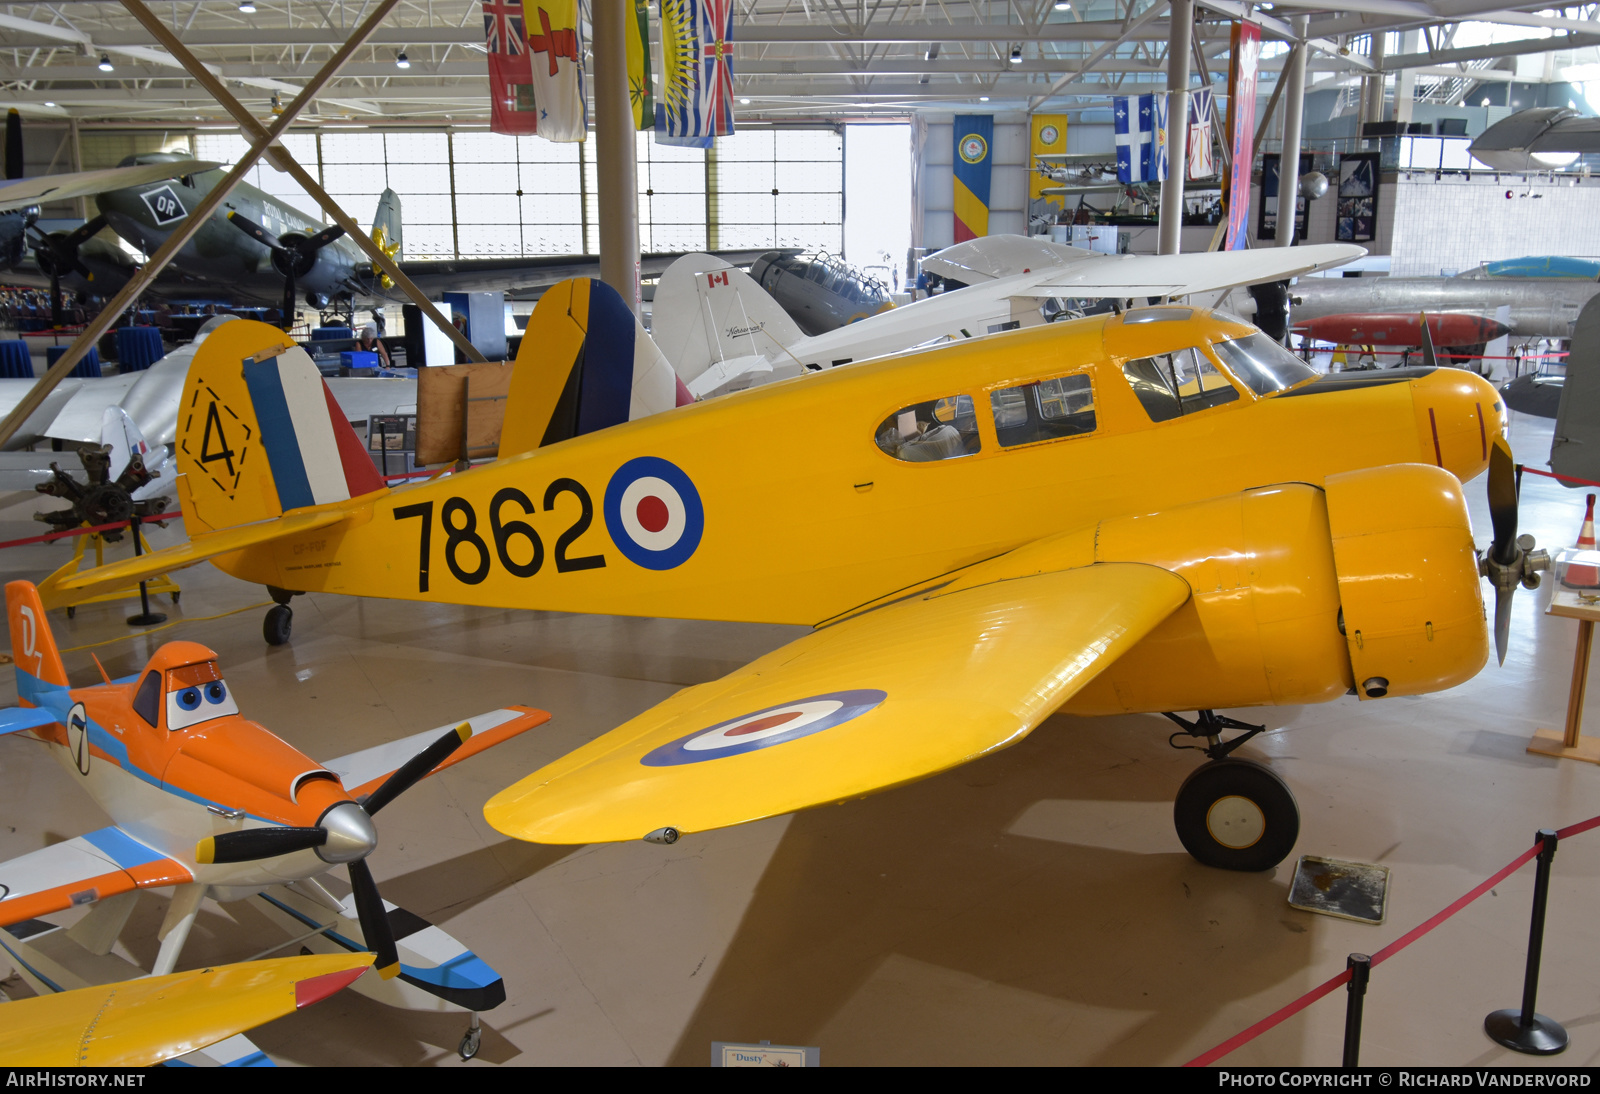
{"x": 883, "y": 698}
{"x": 141, "y": 1022}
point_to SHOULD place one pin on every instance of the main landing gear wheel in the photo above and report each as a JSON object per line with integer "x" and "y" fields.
{"x": 1236, "y": 815}
{"x": 277, "y": 625}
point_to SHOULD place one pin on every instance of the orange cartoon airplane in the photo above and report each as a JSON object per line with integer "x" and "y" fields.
{"x": 207, "y": 803}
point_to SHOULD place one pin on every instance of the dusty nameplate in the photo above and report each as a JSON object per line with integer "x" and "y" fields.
{"x": 1349, "y": 890}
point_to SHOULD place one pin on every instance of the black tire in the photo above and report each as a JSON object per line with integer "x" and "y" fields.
{"x": 1236, "y": 815}
{"x": 471, "y": 1041}
{"x": 276, "y": 626}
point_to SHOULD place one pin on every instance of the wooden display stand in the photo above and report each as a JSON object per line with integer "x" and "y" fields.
{"x": 1572, "y": 745}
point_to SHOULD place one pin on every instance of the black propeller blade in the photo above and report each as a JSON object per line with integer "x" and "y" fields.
{"x": 374, "y": 920}
{"x": 292, "y": 257}
{"x": 255, "y": 843}
{"x": 57, "y": 254}
{"x": 415, "y": 769}
{"x": 1503, "y": 501}
{"x": 13, "y": 144}
{"x": 1510, "y": 561}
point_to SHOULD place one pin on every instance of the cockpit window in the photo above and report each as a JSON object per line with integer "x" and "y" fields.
{"x": 195, "y": 694}
{"x": 939, "y": 429}
{"x": 147, "y": 702}
{"x": 1046, "y": 410}
{"x": 1173, "y": 384}
{"x": 1262, "y": 363}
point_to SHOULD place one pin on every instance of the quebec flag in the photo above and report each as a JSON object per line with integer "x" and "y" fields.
{"x": 1135, "y": 125}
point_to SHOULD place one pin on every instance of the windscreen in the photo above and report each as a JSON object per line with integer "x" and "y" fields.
{"x": 1262, "y": 364}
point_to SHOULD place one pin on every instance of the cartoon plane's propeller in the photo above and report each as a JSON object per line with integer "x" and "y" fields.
{"x": 346, "y": 835}
{"x": 1510, "y": 560}
{"x": 293, "y": 255}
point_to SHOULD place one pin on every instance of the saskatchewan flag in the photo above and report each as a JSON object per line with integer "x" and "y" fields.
{"x": 639, "y": 93}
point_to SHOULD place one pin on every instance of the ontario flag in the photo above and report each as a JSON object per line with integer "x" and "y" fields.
{"x": 555, "y": 51}
{"x": 696, "y": 102}
{"x": 511, "y": 108}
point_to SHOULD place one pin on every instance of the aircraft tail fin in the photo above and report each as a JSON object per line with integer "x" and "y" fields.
{"x": 586, "y": 363}
{"x": 387, "y": 230}
{"x": 265, "y": 439}
{"x": 707, "y": 311}
{"x": 122, "y": 435}
{"x": 33, "y": 647}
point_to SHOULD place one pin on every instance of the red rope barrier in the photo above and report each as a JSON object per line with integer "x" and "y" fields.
{"x": 1243, "y": 1037}
{"x": 85, "y": 531}
{"x": 1563, "y": 478}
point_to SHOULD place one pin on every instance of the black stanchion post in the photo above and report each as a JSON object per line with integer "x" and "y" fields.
{"x": 1524, "y": 1030}
{"x": 146, "y": 617}
{"x": 1360, "y": 966}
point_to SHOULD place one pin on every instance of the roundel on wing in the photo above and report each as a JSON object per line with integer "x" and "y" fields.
{"x": 974, "y": 148}
{"x": 765, "y": 728}
{"x": 653, "y": 513}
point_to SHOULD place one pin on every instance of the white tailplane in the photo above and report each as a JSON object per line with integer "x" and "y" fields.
{"x": 122, "y": 436}
{"x": 707, "y": 312}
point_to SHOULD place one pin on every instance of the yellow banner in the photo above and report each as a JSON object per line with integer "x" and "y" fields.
{"x": 1049, "y": 135}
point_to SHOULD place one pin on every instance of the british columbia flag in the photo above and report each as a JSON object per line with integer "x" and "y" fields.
{"x": 696, "y": 101}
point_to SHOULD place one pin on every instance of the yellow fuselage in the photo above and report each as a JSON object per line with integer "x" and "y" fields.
{"x": 806, "y": 518}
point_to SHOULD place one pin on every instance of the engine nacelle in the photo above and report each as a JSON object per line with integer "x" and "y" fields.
{"x": 1300, "y": 594}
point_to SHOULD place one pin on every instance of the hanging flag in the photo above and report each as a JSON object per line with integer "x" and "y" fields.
{"x": 1202, "y": 161}
{"x": 1246, "y": 53}
{"x": 511, "y": 107}
{"x": 696, "y": 72}
{"x": 974, "y": 136}
{"x": 555, "y": 53}
{"x": 1135, "y": 127}
{"x": 1049, "y": 133}
{"x": 1158, "y": 113}
{"x": 639, "y": 91}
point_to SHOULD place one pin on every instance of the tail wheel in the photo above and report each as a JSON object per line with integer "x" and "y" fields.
{"x": 1236, "y": 815}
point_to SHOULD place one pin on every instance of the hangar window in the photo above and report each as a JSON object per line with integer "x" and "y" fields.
{"x": 1170, "y": 385}
{"x": 939, "y": 429}
{"x": 1262, "y": 363}
{"x": 1043, "y": 411}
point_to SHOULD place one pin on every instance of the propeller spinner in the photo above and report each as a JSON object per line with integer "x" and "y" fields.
{"x": 344, "y": 834}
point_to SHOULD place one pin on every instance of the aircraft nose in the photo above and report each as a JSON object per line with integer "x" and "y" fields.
{"x": 1458, "y": 415}
{"x": 351, "y": 834}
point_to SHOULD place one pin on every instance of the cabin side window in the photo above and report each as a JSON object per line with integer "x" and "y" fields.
{"x": 939, "y": 429}
{"x": 1045, "y": 410}
{"x": 147, "y": 701}
{"x": 1170, "y": 385}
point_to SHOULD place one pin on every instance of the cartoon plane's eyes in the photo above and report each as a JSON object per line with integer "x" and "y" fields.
{"x": 199, "y": 703}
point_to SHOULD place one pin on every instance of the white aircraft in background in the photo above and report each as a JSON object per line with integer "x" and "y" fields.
{"x": 723, "y": 333}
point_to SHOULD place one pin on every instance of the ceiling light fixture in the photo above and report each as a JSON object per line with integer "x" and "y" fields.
{"x": 1063, "y": 5}
{"x": 105, "y": 63}
{"x": 1016, "y": 55}
{"x": 49, "y": 104}
{"x": 247, "y": 8}
{"x": 402, "y": 61}
{"x": 983, "y": 98}
{"x": 744, "y": 102}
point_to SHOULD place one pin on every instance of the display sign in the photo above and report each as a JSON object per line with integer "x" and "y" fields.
{"x": 1358, "y": 198}
{"x": 1267, "y": 221}
{"x": 735, "y": 1054}
{"x": 1241, "y": 130}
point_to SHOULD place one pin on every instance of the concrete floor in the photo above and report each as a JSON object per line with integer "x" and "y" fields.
{"x": 1033, "y": 907}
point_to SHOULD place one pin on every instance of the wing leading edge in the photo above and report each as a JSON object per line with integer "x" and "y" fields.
{"x": 883, "y": 698}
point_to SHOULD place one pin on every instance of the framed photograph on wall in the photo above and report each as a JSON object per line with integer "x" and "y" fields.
{"x": 1358, "y": 198}
{"x": 1267, "y": 218}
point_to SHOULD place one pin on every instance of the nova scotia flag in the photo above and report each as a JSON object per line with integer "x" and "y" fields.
{"x": 1135, "y": 126}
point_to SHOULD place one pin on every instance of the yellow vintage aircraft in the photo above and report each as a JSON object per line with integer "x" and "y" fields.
{"x": 137, "y": 1023}
{"x": 1161, "y": 510}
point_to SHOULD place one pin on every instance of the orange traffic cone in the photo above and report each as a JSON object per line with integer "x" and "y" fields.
{"x": 1584, "y": 575}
